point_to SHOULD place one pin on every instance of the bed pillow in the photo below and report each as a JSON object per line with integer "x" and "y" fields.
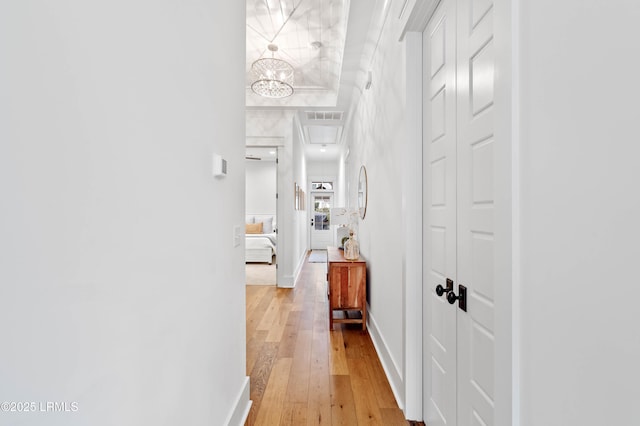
{"x": 253, "y": 228}
{"x": 249, "y": 219}
{"x": 267, "y": 225}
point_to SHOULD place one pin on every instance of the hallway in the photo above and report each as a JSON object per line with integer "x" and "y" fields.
{"x": 302, "y": 373}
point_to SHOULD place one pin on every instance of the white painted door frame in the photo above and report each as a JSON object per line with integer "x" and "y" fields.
{"x": 309, "y": 202}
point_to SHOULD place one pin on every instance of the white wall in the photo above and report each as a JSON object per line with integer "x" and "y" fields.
{"x": 261, "y": 180}
{"x": 341, "y": 190}
{"x": 275, "y": 128}
{"x": 376, "y": 136}
{"x": 579, "y": 210}
{"x": 299, "y": 217}
{"x": 323, "y": 168}
{"x": 121, "y": 289}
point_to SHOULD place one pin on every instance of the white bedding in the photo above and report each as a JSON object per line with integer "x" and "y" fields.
{"x": 259, "y": 241}
{"x": 271, "y": 237}
{"x": 261, "y": 247}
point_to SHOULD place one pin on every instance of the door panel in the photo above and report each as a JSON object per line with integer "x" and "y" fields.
{"x": 475, "y": 203}
{"x": 321, "y": 234}
{"x": 440, "y": 210}
{"x": 458, "y": 206}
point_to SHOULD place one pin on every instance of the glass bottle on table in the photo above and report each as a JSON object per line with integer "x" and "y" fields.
{"x": 351, "y": 248}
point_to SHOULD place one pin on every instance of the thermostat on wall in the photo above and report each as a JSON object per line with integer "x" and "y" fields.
{"x": 219, "y": 165}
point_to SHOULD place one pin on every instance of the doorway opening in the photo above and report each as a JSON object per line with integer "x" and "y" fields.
{"x": 261, "y": 206}
{"x": 321, "y": 234}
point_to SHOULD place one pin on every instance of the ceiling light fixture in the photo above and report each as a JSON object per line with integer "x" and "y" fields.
{"x": 272, "y": 78}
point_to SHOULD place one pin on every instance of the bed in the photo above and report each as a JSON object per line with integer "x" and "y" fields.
{"x": 260, "y": 238}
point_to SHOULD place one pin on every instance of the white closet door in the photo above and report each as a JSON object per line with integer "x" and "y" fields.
{"x": 439, "y": 184}
{"x": 475, "y": 233}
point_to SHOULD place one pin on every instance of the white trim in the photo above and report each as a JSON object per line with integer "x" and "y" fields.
{"x": 414, "y": 16}
{"x": 289, "y": 281}
{"x": 412, "y": 229}
{"x": 265, "y": 141}
{"x": 506, "y": 181}
{"x": 390, "y": 367}
{"x": 241, "y": 408}
{"x": 516, "y": 258}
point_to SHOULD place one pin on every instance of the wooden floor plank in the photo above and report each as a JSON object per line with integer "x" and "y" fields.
{"x": 294, "y": 414}
{"x": 255, "y": 316}
{"x": 280, "y": 322}
{"x": 274, "y": 395}
{"x": 353, "y": 337}
{"x": 306, "y": 317}
{"x": 338, "y": 359}
{"x": 343, "y": 409}
{"x": 319, "y": 408}
{"x": 260, "y": 375}
{"x": 379, "y": 382}
{"x": 367, "y": 410}
{"x": 393, "y": 417}
{"x": 254, "y": 295}
{"x": 289, "y": 335}
{"x": 254, "y": 348}
{"x": 298, "y": 387}
{"x": 270, "y": 315}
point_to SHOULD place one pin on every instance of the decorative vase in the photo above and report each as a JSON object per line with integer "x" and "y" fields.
{"x": 351, "y": 248}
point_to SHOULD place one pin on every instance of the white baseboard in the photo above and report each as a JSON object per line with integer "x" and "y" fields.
{"x": 289, "y": 281}
{"x": 286, "y": 282}
{"x": 390, "y": 367}
{"x": 241, "y": 407}
{"x": 301, "y": 262}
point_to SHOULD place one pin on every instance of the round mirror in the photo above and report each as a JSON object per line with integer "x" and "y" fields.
{"x": 363, "y": 192}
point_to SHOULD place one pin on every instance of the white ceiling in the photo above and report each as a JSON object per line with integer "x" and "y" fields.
{"x": 324, "y": 41}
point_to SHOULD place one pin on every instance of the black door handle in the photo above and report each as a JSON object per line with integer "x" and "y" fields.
{"x": 442, "y": 290}
{"x": 461, "y": 297}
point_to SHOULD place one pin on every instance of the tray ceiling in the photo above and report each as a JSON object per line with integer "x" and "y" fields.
{"x": 310, "y": 35}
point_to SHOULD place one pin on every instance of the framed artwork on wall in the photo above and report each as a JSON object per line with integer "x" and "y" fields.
{"x": 298, "y": 197}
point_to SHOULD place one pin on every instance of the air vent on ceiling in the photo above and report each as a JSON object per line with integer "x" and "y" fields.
{"x": 324, "y": 115}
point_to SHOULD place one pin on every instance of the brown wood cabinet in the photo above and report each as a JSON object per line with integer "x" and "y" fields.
{"x": 347, "y": 289}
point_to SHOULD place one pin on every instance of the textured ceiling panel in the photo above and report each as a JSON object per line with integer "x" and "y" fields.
{"x": 310, "y": 34}
{"x": 322, "y": 135}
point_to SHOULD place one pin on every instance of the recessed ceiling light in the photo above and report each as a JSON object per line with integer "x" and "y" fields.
{"x": 315, "y": 45}
{"x": 323, "y": 149}
{"x": 272, "y": 152}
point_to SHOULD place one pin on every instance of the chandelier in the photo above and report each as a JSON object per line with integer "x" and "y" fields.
{"x": 271, "y": 77}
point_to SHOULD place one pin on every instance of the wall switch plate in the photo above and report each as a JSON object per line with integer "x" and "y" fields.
{"x": 219, "y": 165}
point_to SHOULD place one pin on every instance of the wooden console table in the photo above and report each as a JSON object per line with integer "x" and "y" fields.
{"x": 347, "y": 288}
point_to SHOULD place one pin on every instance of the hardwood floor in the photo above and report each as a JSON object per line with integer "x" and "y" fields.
{"x": 302, "y": 373}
